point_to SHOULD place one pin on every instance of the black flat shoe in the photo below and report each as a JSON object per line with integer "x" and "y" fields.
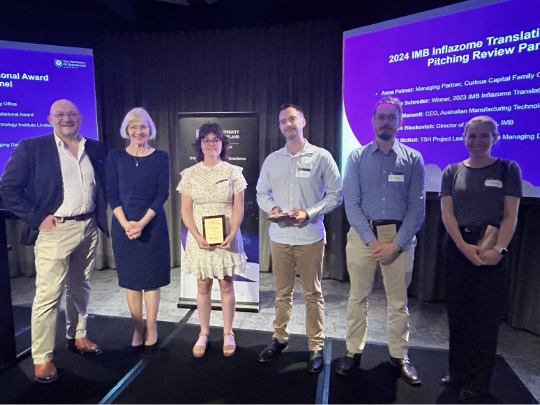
{"x": 450, "y": 382}
{"x": 151, "y": 349}
{"x": 468, "y": 396}
{"x": 137, "y": 349}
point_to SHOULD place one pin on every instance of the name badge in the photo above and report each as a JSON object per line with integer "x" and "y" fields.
{"x": 493, "y": 183}
{"x": 303, "y": 172}
{"x": 396, "y": 177}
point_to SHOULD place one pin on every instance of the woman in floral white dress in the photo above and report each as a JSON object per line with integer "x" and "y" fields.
{"x": 213, "y": 187}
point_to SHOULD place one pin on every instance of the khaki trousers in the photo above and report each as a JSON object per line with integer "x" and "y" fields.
{"x": 65, "y": 258}
{"x": 307, "y": 259}
{"x": 396, "y": 277}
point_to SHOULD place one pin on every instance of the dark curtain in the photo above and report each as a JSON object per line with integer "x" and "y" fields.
{"x": 221, "y": 71}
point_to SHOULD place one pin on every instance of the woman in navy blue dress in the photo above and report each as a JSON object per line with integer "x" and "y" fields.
{"x": 137, "y": 188}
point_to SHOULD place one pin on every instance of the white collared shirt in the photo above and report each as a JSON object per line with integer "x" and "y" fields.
{"x": 78, "y": 179}
{"x": 308, "y": 181}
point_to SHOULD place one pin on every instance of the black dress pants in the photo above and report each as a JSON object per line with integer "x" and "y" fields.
{"x": 475, "y": 300}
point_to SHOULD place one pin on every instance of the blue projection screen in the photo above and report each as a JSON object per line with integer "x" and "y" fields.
{"x": 32, "y": 77}
{"x": 447, "y": 66}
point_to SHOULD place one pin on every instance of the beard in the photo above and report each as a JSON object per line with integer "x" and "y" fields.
{"x": 385, "y": 135}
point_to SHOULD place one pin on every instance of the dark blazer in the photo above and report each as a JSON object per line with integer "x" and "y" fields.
{"x": 31, "y": 186}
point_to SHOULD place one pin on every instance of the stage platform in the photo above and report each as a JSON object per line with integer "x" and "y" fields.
{"x": 173, "y": 375}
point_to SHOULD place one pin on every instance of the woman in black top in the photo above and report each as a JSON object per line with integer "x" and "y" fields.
{"x": 482, "y": 190}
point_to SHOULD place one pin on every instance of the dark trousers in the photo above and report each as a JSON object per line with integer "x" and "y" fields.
{"x": 475, "y": 300}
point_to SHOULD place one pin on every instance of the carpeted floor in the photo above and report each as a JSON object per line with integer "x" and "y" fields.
{"x": 377, "y": 381}
{"x": 81, "y": 380}
{"x": 173, "y": 375}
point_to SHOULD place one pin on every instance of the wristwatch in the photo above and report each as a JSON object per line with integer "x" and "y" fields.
{"x": 501, "y": 250}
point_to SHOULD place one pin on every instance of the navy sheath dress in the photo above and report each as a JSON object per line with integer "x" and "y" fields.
{"x": 138, "y": 184}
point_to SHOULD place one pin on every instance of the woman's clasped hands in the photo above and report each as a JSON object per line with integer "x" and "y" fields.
{"x": 133, "y": 229}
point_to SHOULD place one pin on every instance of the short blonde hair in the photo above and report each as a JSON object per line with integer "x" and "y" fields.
{"x": 483, "y": 119}
{"x": 137, "y": 114}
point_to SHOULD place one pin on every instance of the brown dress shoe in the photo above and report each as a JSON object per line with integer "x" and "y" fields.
{"x": 45, "y": 373}
{"x": 84, "y": 346}
{"x": 406, "y": 370}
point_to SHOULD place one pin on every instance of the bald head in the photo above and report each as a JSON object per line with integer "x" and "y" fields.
{"x": 65, "y": 119}
{"x": 61, "y": 105}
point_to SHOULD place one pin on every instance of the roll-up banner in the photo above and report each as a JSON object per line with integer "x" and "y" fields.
{"x": 243, "y": 130}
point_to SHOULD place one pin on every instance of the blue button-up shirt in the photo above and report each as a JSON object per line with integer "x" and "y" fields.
{"x": 309, "y": 181}
{"x": 371, "y": 194}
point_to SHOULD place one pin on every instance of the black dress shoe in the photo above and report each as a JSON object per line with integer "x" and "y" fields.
{"x": 468, "y": 396}
{"x": 449, "y": 382}
{"x": 272, "y": 350}
{"x": 348, "y": 363}
{"x": 316, "y": 361}
{"x": 406, "y": 370}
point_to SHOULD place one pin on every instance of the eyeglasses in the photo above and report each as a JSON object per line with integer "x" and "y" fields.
{"x": 136, "y": 127}
{"x": 209, "y": 141}
{"x": 61, "y": 116}
{"x": 384, "y": 117}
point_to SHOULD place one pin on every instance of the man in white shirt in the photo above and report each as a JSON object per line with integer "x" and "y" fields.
{"x": 303, "y": 181}
{"x": 55, "y": 183}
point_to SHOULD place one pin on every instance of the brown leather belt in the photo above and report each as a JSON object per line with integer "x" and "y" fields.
{"x": 82, "y": 217}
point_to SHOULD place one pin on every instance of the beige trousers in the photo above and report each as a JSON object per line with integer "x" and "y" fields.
{"x": 307, "y": 259}
{"x": 396, "y": 277}
{"x": 65, "y": 258}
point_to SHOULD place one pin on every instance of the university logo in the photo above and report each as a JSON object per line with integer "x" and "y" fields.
{"x": 58, "y": 63}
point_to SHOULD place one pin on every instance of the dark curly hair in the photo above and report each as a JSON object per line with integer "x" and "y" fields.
{"x": 211, "y": 128}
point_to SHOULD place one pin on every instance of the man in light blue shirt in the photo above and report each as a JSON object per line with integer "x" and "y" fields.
{"x": 385, "y": 205}
{"x": 297, "y": 186}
